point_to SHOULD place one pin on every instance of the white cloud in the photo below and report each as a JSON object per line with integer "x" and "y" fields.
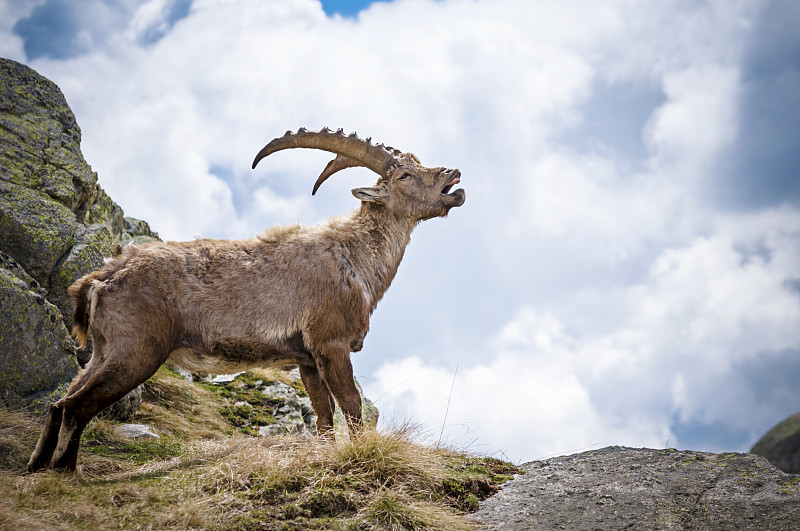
{"x": 698, "y": 120}
{"x": 150, "y": 15}
{"x": 590, "y": 296}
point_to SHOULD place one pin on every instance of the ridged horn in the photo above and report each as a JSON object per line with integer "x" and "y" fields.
{"x": 349, "y": 149}
{"x": 339, "y": 163}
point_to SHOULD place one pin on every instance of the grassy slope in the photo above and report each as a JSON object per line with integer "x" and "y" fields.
{"x": 206, "y": 472}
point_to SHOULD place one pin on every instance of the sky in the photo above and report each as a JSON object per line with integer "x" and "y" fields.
{"x": 625, "y": 268}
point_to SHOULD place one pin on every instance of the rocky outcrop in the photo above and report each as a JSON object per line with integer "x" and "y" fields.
{"x": 630, "y": 488}
{"x": 265, "y": 408}
{"x": 38, "y": 356}
{"x": 56, "y": 225}
{"x": 781, "y": 445}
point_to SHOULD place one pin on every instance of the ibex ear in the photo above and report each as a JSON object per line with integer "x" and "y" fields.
{"x": 373, "y": 195}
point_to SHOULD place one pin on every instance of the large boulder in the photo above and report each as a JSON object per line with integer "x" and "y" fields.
{"x": 56, "y": 225}
{"x": 38, "y": 356}
{"x": 643, "y": 488}
{"x": 36, "y": 230}
{"x": 92, "y": 244}
{"x": 40, "y": 140}
{"x": 781, "y": 445}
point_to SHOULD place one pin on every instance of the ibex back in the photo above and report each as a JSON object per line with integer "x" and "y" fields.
{"x": 293, "y": 294}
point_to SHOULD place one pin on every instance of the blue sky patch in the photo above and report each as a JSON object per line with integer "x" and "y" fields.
{"x": 52, "y": 31}
{"x": 346, "y": 8}
{"x": 60, "y": 29}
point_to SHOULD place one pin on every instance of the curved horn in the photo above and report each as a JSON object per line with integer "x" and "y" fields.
{"x": 339, "y": 163}
{"x": 350, "y": 150}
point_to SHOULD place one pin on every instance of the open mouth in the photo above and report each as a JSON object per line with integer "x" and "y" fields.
{"x": 454, "y": 180}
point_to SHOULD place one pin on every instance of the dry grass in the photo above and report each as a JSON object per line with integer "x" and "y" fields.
{"x": 18, "y": 435}
{"x": 202, "y": 474}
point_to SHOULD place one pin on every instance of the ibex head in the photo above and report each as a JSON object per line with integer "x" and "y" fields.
{"x": 405, "y": 186}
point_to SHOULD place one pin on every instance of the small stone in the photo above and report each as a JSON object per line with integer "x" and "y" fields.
{"x": 183, "y": 372}
{"x": 136, "y": 431}
{"x": 271, "y": 430}
{"x": 222, "y": 379}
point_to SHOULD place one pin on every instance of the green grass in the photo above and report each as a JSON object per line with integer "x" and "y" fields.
{"x": 205, "y": 472}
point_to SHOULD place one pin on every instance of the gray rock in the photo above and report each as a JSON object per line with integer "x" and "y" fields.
{"x": 124, "y": 408}
{"x": 628, "y": 488}
{"x": 137, "y": 231}
{"x": 223, "y": 379}
{"x": 271, "y": 430}
{"x": 294, "y": 375}
{"x": 308, "y": 412}
{"x": 36, "y": 352}
{"x": 34, "y": 229}
{"x": 40, "y": 140}
{"x": 281, "y": 392}
{"x": 92, "y": 245}
{"x": 12, "y": 267}
{"x": 283, "y": 429}
{"x": 106, "y": 212}
{"x": 136, "y": 431}
{"x": 187, "y": 376}
{"x": 289, "y": 409}
{"x": 781, "y": 445}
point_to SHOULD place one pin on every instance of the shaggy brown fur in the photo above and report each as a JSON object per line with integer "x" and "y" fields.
{"x": 293, "y": 294}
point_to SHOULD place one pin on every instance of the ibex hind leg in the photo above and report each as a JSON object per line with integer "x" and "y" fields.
{"x": 47, "y": 441}
{"x": 111, "y": 378}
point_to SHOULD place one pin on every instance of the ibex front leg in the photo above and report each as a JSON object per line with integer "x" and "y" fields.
{"x": 321, "y": 399}
{"x": 333, "y": 361}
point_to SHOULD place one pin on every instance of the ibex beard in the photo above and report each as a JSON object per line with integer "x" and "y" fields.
{"x": 297, "y": 294}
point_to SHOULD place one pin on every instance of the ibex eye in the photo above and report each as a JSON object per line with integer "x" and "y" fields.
{"x": 404, "y": 177}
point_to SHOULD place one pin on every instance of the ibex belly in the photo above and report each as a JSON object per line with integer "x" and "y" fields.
{"x": 230, "y": 355}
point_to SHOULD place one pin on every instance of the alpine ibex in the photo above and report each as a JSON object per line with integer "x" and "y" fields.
{"x": 293, "y": 294}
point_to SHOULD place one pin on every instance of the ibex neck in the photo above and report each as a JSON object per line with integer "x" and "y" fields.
{"x": 378, "y": 242}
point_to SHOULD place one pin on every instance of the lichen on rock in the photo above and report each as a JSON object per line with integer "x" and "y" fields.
{"x": 643, "y": 488}
{"x": 38, "y": 354}
{"x": 40, "y": 139}
{"x": 36, "y": 230}
{"x": 92, "y": 245}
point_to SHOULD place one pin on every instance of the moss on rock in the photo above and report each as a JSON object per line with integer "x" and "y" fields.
{"x": 34, "y": 229}
{"x": 137, "y": 231}
{"x": 107, "y": 213}
{"x": 36, "y": 352}
{"x": 40, "y": 139}
{"x": 92, "y": 244}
